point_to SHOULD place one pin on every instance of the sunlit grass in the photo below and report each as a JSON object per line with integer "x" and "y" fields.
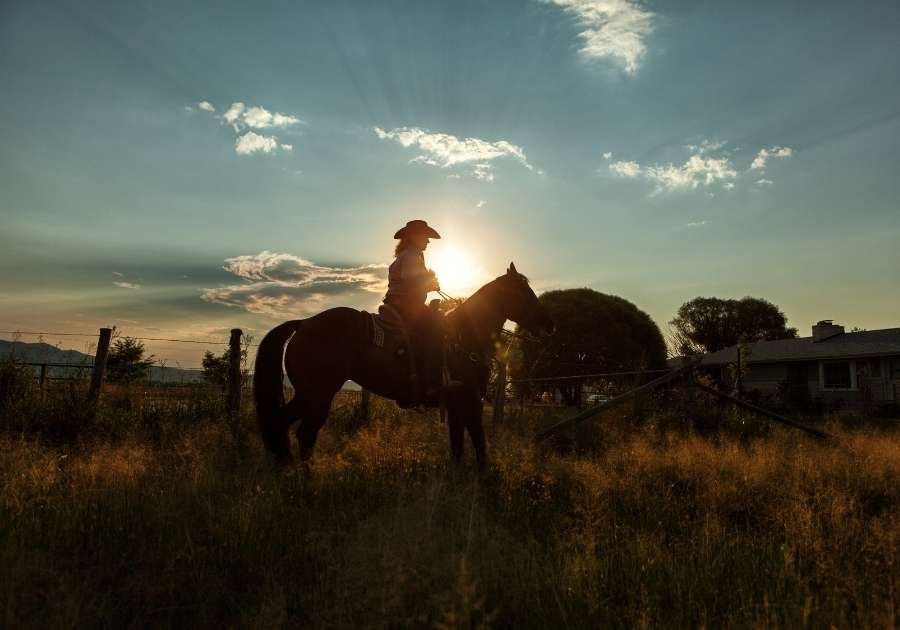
{"x": 173, "y": 525}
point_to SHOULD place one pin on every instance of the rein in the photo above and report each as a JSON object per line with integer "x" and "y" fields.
{"x": 483, "y": 353}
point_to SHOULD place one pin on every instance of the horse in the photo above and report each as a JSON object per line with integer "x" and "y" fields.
{"x": 322, "y": 352}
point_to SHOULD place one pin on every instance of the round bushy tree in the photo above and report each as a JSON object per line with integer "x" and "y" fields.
{"x": 595, "y": 332}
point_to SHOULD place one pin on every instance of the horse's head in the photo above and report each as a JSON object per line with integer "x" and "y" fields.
{"x": 521, "y": 305}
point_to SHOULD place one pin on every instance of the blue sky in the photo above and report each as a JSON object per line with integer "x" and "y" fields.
{"x": 656, "y": 151}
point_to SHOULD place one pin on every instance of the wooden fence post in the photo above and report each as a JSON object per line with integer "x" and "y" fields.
{"x": 43, "y": 382}
{"x": 99, "y": 366}
{"x": 234, "y": 379}
{"x": 500, "y": 392}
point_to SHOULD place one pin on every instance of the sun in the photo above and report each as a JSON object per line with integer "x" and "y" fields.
{"x": 455, "y": 268}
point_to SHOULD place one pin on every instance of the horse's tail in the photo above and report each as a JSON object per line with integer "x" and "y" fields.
{"x": 268, "y": 386}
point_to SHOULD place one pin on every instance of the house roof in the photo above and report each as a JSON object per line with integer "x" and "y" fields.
{"x": 868, "y": 343}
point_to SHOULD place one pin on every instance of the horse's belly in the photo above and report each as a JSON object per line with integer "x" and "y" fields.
{"x": 382, "y": 373}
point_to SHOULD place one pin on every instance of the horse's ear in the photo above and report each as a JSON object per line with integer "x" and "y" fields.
{"x": 512, "y": 268}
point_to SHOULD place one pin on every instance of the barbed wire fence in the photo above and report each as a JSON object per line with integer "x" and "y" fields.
{"x": 164, "y": 371}
{"x": 238, "y": 373}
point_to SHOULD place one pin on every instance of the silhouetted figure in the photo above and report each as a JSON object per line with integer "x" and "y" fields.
{"x": 322, "y": 352}
{"x": 409, "y": 282}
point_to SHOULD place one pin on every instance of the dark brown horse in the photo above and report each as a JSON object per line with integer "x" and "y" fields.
{"x": 336, "y": 345}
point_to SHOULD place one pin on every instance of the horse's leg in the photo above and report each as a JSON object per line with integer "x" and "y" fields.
{"x": 315, "y": 413}
{"x": 287, "y": 415}
{"x": 473, "y": 414}
{"x": 457, "y": 427}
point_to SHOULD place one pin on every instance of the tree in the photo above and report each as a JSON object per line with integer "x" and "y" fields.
{"x": 126, "y": 362}
{"x": 216, "y": 368}
{"x": 710, "y": 324}
{"x": 595, "y": 332}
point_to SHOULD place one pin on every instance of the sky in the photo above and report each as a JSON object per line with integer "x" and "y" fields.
{"x": 180, "y": 169}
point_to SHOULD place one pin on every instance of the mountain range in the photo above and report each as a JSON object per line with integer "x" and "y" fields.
{"x": 45, "y": 353}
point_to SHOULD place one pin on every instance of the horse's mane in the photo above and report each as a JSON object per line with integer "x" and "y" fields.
{"x": 482, "y": 292}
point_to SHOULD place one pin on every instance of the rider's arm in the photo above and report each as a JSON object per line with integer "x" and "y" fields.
{"x": 414, "y": 271}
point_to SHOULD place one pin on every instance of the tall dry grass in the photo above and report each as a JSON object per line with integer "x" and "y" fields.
{"x": 174, "y": 525}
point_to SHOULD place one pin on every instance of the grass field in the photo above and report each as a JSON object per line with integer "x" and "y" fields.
{"x": 152, "y": 516}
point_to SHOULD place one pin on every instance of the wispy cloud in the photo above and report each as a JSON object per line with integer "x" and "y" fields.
{"x": 483, "y": 172}
{"x": 615, "y": 29}
{"x": 625, "y": 168}
{"x": 763, "y": 182}
{"x": 481, "y": 203}
{"x": 126, "y": 285}
{"x": 694, "y": 224}
{"x": 702, "y": 169}
{"x": 252, "y": 142}
{"x": 279, "y": 284}
{"x": 256, "y": 117}
{"x": 445, "y": 151}
{"x": 762, "y": 158}
{"x": 243, "y": 119}
{"x": 706, "y": 146}
{"x": 695, "y": 172}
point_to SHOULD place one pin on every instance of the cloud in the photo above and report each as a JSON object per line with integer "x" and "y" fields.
{"x": 696, "y": 224}
{"x": 481, "y": 203}
{"x": 764, "y": 182}
{"x": 445, "y": 151}
{"x": 233, "y": 114}
{"x": 613, "y": 29}
{"x": 483, "y": 172}
{"x": 707, "y": 146}
{"x": 607, "y": 155}
{"x": 240, "y": 116}
{"x": 117, "y": 274}
{"x": 625, "y": 169}
{"x": 126, "y": 285}
{"x": 702, "y": 169}
{"x": 261, "y": 118}
{"x": 251, "y": 142}
{"x": 244, "y": 119}
{"x": 278, "y": 284}
{"x": 695, "y": 172}
{"x": 759, "y": 162}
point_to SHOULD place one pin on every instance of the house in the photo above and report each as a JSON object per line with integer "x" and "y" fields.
{"x": 831, "y": 367}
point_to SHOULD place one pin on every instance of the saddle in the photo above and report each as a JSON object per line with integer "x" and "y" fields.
{"x": 389, "y": 331}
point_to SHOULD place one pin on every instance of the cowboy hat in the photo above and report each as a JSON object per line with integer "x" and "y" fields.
{"x": 417, "y": 226}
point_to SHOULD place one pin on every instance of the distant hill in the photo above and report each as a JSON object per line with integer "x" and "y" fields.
{"x": 45, "y": 353}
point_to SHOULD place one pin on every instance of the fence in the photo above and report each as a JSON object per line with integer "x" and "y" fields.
{"x": 97, "y": 368}
{"x": 577, "y": 382}
{"x": 234, "y": 383}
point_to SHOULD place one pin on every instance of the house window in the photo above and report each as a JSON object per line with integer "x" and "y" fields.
{"x": 895, "y": 368}
{"x": 836, "y": 375}
{"x": 874, "y": 367}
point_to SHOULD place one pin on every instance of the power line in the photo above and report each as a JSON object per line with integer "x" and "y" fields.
{"x": 46, "y": 334}
{"x": 56, "y": 334}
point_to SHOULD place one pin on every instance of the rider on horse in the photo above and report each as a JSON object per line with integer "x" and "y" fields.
{"x": 409, "y": 282}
